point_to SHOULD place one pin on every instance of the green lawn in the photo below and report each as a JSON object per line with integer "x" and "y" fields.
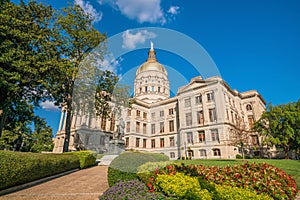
{"x": 291, "y": 167}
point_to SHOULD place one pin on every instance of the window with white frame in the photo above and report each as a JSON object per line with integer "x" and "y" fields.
{"x": 189, "y": 137}
{"x": 202, "y": 152}
{"x": 188, "y": 119}
{"x": 210, "y": 96}
{"x": 216, "y": 152}
{"x": 172, "y": 155}
{"x": 214, "y": 135}
{"x": 200, "y": 117}
{"x": 212, "y": 114}
{"x": 198, "y": 99}
{"x": 201, "y": 135}
{"x": 187, "y": 102}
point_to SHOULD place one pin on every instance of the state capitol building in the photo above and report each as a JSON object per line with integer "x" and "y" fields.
{"x": 201, "y": 121}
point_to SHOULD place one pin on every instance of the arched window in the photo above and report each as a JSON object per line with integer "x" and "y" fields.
{"x": 217, "y": 152}
{"x": 172, "y": 155}
{"x": 248, "y": 107}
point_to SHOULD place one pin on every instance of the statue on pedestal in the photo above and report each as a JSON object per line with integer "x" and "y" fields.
{"x": 120, "y": 130}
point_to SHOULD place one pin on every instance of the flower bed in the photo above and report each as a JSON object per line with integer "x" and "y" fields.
{"x": 260, "y": 178}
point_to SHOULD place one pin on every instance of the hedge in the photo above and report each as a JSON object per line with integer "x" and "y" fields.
{"x": 22, "y": 167}
{"x": 125, "y": 166}
{"x": 86, "y": 158}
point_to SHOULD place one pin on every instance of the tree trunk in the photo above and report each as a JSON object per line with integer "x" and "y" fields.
{"x": 2, "y": 120}
{"x": 68, "y": 124}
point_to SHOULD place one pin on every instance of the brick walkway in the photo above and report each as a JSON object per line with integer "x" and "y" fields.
{"x": 87, "y": 184}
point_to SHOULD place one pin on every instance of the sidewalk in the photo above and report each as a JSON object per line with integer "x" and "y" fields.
{"x": 87, "y": 184}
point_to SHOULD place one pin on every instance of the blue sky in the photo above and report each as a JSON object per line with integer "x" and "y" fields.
{"x": 255, "y": 44}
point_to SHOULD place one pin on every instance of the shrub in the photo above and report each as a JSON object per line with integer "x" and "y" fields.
{"x": 259, "y": 177}
{"x": 228, "y": 192}
{"x": 133, "y": 189}
{"x": 86, "y": 158}
{"x": 146, "y": 170}
{"x": 125, "y": 166}
{"x": 181, "y": 186}
{"x": 238, "y": 156}
{"x": 20, "y": 167}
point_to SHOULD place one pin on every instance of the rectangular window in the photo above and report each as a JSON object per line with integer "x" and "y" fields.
{"x": 214, "y": 135}
{"x": 212, "y": 115}
{"x": 138, "y": 124}
{"x": 152, "y": 88}
{"x": 232, "y": 119}
{"x": 161, "y": 113}
{"x": 250, "y": 121}
{"x": 202, "y": 152}
{"x": 187, "y": 102}
{"x": 201, "y": 135}
{"x": 189, "y": 137}
{"x": 127, "y": 141}
{"x": 152, "y": 129}
{"x": 162, "y": 142}
{"x": 144, "y": 128}
{"x": 172, "y": 142}
{"x": 144, "y": 143}
{"x": 162, "y": 127}
{"x": 137, "y": 142}
{"x": 171, "y": 111}
{"x": 172, "y": 155}
{"x": 144, "y": 115}
{"x": 198, "y": 99}
{"x": 158, "y": 89}
{"x": 210, "y": 97}
{"x": 227, "y": 114}
{"x": 188, "y": 119}
{"x": 103, "y": 123}
{"x": 146, "y": 89}
{"x": 138, "y": 113}
{"x": 171, "y": 125}
{"x": 153, "y": 115}
{"x": 112, "y": 123}
{"x": 128, "y": 113}
{"x": 200, "y": 117}
{"x": 153, "y": 143}
{"x": 127, "y": 127}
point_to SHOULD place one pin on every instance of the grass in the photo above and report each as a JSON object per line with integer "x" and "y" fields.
{"x": 291, "y": 167}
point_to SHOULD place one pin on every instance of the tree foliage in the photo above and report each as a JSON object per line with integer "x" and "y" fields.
{"x": 78, "y": 38}
{"x": 40, "y": 54}
{"x": 28, "y": 55}
{"x": 281, "y": 126}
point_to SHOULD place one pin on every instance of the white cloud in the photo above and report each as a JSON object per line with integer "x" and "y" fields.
{"x": 88, "y": 8}
{"x": 140, "y": 10}
{"x": 173, "y": 10}
{"x": 110, "y": 63}
{"x": 130, "y": 40}
{"x": 48, "y": 105}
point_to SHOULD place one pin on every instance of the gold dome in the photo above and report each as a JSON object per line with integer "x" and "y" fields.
{"x": 151, "y": 64}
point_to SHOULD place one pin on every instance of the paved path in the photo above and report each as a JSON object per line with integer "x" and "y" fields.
{"x": 87, "y": 184}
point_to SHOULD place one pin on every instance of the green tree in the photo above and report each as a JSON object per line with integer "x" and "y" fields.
{"x": 41, "y": 138}
{"x": 78, "y": 38}
{"x": 28, "y": 55}
{"x": 281, "y": 126}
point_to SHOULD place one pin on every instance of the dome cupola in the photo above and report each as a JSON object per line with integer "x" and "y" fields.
{"x": 151, "y": 83}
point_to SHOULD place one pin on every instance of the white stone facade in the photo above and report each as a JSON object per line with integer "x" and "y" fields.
{"x": 198, "y": 122}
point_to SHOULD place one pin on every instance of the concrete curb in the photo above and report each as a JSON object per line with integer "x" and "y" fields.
{"x": 33, "y": 183}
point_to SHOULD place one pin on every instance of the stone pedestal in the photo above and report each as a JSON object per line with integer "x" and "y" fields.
{"x": 116, "y": 147}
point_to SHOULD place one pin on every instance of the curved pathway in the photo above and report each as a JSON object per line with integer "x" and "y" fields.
{"x": 87, "y": 184}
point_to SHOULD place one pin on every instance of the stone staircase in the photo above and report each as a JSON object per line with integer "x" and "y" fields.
{"x": 106, "y": 159}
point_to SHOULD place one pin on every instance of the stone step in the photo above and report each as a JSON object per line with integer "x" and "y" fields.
{"x": 106, "y": 159}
